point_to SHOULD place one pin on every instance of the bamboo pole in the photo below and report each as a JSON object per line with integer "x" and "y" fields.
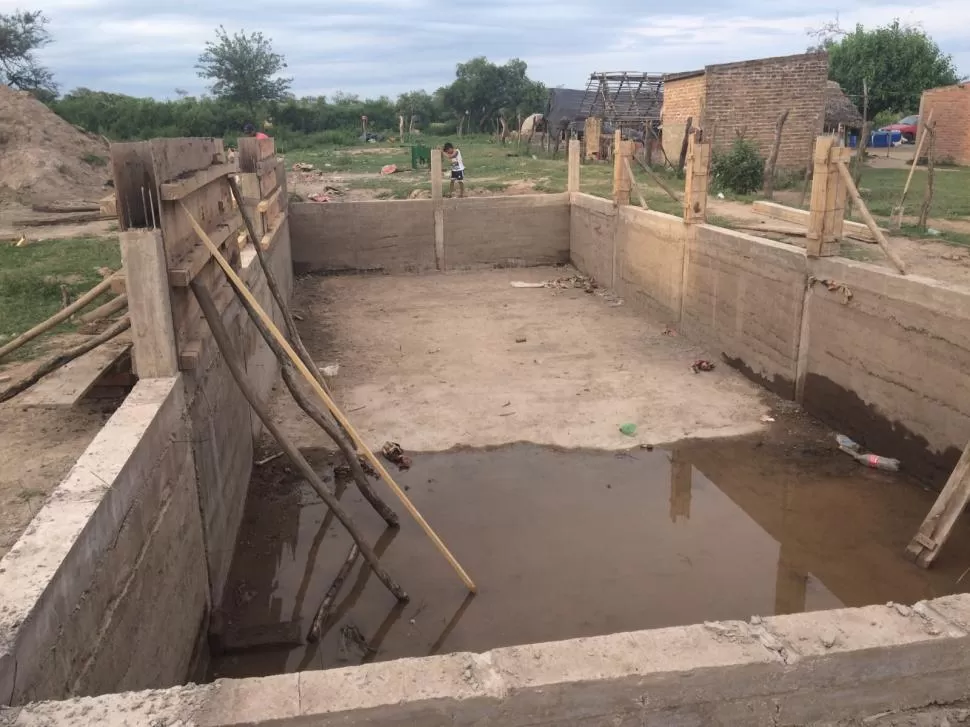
{"x": 868, "y": 219}
{"x": 57, "y": 318}
{"x": 331, "y": 405}
{"x": 54, "y": 363}
{"x": 224, "y": 343}
{"x": 633, "y": 183}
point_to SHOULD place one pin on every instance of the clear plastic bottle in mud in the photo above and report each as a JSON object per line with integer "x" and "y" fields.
{"x": 873, "y": 461}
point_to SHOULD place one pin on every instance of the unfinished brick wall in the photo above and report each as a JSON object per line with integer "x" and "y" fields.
{"x": 749, "y": 96}
{"x": 951, "y": 114}
{"x": 683, "y": 99}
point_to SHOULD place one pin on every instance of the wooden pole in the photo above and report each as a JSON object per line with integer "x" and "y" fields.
{"x": 860, "y": 159}
{"x": 621, "y": 184}
{"x": 59, "y": 317}
{"x": 868, "y": 219}
{"x": 808, "y": 172}
{"x": 438, "y": 205}
{"x": 659, "y": 180}
{"x": 688, "y": 128}
{"x": 325, "y": 397}
{"x": 575, "y": 150}
{"x": 924, "y": 211}
{"x": 773, "y": 157}
{"x": 633, "y": 183}
{"x": 696, "y": 181}
{"x": 55, "y": 362}
{"x": 935, "y": 530}
{"x": 897, "y": 217}
{"x": 224, "y": 343}
{"x": 103, "y": 311}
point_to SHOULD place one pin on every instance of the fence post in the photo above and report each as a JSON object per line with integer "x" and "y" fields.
{"x": 438, "y": 204}
{"x": 621, "y": 180}
{"x": 698, "y": 166}
{"x": 828, "y": 199}
{"x": 575, "y": 150}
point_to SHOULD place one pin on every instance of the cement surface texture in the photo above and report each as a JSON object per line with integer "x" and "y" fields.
{"x": 831, "y": 667}
{"x": 444, "y": 360}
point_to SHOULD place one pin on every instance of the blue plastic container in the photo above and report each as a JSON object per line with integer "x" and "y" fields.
{"x": 895, "y": 136}
{"x": 879, "y": 139}
{"x": 853, "y": 141}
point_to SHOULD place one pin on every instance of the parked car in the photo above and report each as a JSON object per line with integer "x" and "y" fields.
{"x": 906, "y": 126}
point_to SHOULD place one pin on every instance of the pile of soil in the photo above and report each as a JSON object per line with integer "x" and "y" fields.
{"x": 45, "y": 159}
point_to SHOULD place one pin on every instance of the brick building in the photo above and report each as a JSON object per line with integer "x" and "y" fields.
{"x": 747, "y": 97}
{"x": 951, "y": 116}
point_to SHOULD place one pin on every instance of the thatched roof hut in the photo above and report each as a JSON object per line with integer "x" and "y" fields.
{"x": 839, "y": 109}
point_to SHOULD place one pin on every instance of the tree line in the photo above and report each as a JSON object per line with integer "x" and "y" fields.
{"x": 894, "y": 64}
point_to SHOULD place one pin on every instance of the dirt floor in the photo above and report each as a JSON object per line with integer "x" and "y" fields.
{"x": 465, "y": 359}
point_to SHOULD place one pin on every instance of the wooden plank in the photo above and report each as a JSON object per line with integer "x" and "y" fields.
{"x": 269, "y": 180}
{"x": 835, "y": 202}
{"x": 801, "y": 217}
{"x": 820, "y": 181}
{"x": 438, "y": 205}
{"x": 269, "y": 239}
{"x": 133, "y": 171}
{"x": 192, "y": 263}
{"x": 846, "y": 175}
{"x": 252, "y": 151}
{"x": 68, "y": 385}
{"x": 935, "y": 530}
{"x": 264, "y": 206}
{"x": 149, "y": 303}
{"x": 195, "y": 180}
{"x": 698, "y": 166}
{"x": 174, "y": 159}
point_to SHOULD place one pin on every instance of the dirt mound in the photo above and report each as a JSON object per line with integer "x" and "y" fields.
{"x": 45, "y": 159}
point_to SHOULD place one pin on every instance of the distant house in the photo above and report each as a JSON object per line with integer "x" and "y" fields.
{"x": 746, "y": 99}
{"x": 564, "y": 109}
{"x": 950, "y": 106}
{"x": 839, "y": 109}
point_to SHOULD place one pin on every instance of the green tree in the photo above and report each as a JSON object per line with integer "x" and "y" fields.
{"x": 487, "y": 93}
{"x": 898, "y": 62}
{"x": 415, "y": 104}
{"x": 21, "y": 34}
{"x": 244, "y": 68}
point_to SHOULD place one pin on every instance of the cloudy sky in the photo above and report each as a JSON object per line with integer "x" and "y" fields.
{"x": 373, "y": 47}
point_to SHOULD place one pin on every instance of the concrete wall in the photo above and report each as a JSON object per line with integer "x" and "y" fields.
{"x": 826, "y": 667}
{"x": 743, "y": 297}
{"x": 890, "y": 365}
{"x": 110, "y": 586}
{"x": 399, "y": 236}
{"x": 951, "y": 114}
{"x": 107, "y": 589}
{"x": 750, "y": 96}
{"x": 683, "y": 99}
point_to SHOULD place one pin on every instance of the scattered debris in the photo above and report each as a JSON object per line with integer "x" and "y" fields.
{"x": 303, "y": 167}
{"x": 720, "y": 195}
{"x": 701, "y": 364}
{"x": 933, "y": 232}
{"x": 298, "y": 317}
{"x": 629, "y": 429}
{"x": 874, "y": 461}
{"x": 330, "y": 371}
{"x": 507, "y": 414}
{"x": 648, "y": 447}
{"x": 388, "y": 169}
{"x": 767, "y": 419}
{"x": 394, "y": 453}
{"x": 508, "y": 403}
{"x": 833, "y": 286}
{"x": 520, "y": 339}
{"x": 668, "y": 331}
{"x": 318, "y": 197}
{"x": 351, "y": 640}
{"x": 267, "y": 460}
{"x": 520, "y": 284}
{"x": 351, "y": 411}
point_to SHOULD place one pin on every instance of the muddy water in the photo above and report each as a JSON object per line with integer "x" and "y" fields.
{"x": 567, "y": 544}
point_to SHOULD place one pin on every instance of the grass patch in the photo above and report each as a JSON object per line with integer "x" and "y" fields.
{"x": 882, "y": 187}
{"x": 94, "y": 160}
{"x": 31, "y": 278}
{"x": 958, "y": 239}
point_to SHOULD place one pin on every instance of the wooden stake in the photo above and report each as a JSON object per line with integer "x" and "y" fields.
{"x": 103, "y": 311}
{"x": 897, "y": 217}
{"x": 438, "y": 205}
{"x": 55, "y": 362}
{"x": 935, "y": 530}
{"x": 924, "y": 212}
{"x": 660, "y": 181}
{"x": 621, "y": 182}
{"x": 59, "y": 317}
{"x": 688, "y": 128}
{"x": 867, "y": 218}
{"x": 325, "y": 397}
{"x": 773, "y": 157}
{"x": 575, "y": 150}
{"x": 696, "y": 181}
{"x": 633, "y": 183}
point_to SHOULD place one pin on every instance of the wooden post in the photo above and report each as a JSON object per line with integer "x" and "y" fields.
{"x": 698, "y": 165}
{"x": 633, "y": 182}
{"x": 439, "y": 214}
{"x": 575, "y": 150}
{"x": 828, "y": 199}
{"x": 868, "y": 218}
{"x": 149, "y": 304}
{"x": 935, "y": 530}
{"x": 685, "y": 144}
{"x": 773, "y": 157}
{"x": 924, "y": 211}
{"x": 621, "y": 182}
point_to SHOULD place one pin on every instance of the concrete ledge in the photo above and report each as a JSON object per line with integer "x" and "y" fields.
{"x": 830, "y": 665}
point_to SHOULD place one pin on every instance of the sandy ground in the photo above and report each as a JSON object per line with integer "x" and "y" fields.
{"x": 433, "y": 362}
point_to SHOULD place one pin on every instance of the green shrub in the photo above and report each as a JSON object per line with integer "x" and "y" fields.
{"x": 741, "y": 170}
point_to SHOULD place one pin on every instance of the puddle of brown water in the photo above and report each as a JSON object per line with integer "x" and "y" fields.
{"x": 569, "y": 544}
